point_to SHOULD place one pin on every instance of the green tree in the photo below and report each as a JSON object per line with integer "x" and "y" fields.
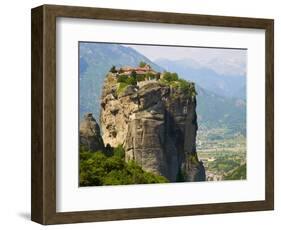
{"x": 119, "y": 151}
{"x": 173, "y": 80}
{"x": 122, "y": 78}
{"x": 142, "y": 64}
{"x": 169, "y": 77}
{"x": 131, "y": 81}
{"x": 113, "y": 69}
{"x": 134, "y": 74}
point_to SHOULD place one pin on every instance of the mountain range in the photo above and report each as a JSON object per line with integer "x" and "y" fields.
{"x": 220, "y": 99}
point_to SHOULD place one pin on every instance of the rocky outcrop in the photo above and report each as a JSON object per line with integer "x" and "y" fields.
{"x": 157, "y": 126}
{"x": 90, "y": 136}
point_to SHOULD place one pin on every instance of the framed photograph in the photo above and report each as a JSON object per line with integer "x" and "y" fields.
{"x": 139, "y": 114}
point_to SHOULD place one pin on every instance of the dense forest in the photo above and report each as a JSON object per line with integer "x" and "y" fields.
{"x": 110, "y": 168}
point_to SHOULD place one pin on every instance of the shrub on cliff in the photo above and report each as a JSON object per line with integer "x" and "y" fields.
{"x": 134, "y": 74}
{"x": 187, "y": 87}
{"x": 119, "y": 151}
{"x": 173, "y": 80}
{"x": 142, "y": 64}
{"x": 122, "y": 78}
{"x": 129, "y": 80}
{"x": 169, "y": 77}
{"x": 121, "y": 87}
{"x": 113, "y": 69}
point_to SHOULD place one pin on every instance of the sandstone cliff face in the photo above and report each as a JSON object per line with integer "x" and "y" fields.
{"x": 156, "y": 125}
{"x": 90, "y": 137}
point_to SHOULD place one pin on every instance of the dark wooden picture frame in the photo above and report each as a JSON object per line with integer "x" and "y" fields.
{"x": 43, "y": 197}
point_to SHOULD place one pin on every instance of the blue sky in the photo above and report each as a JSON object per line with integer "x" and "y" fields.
{"x": 222, "y": 61}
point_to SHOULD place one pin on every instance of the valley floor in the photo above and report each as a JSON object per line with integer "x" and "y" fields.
{"x": 223, "y": 153}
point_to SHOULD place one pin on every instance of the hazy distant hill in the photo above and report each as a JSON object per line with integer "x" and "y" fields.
{"x": 218, "y": 111}
{"x": 95, "y": 61}
{"x": 242, "y": 92}
{"x": 223, "y": 85}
